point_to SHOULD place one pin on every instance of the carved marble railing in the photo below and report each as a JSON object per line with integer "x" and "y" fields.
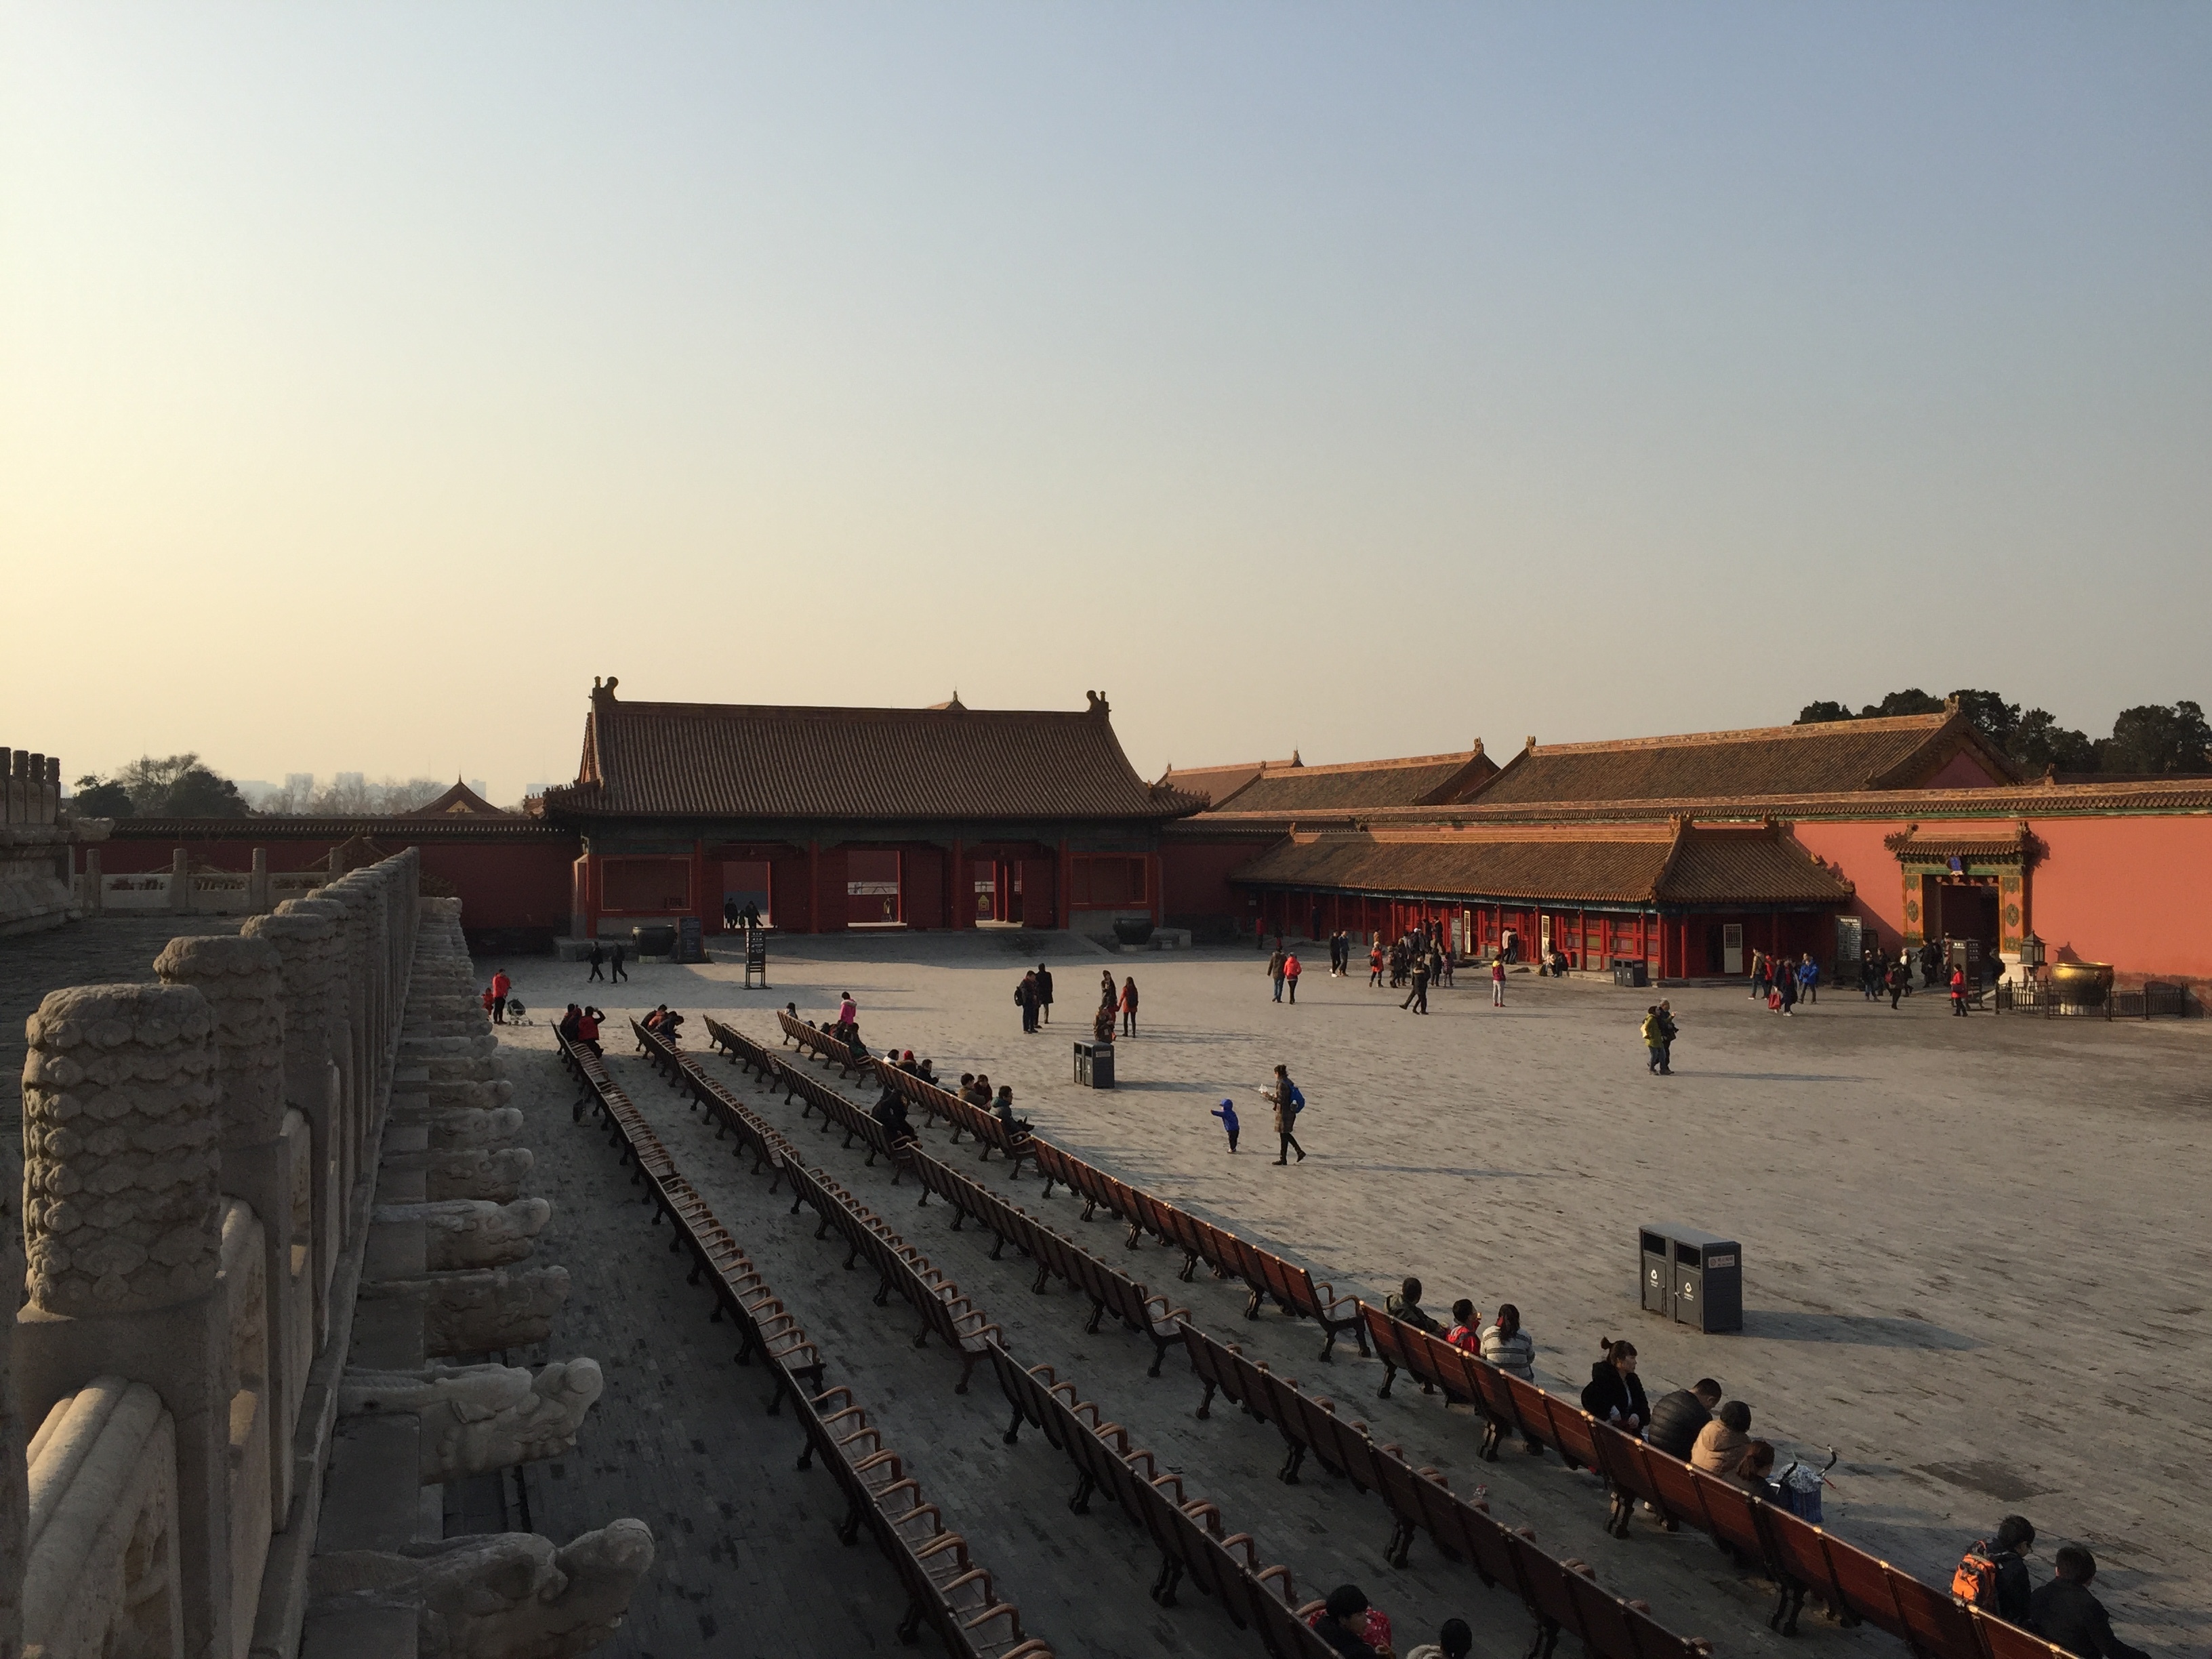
{"x": 182, "y": 891}
{"x": 204, "y": 1159}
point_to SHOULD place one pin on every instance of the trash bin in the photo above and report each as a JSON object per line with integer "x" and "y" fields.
{"x": 1634, "y": 975}
{"x": 1701, "y": 1272}
{"x": 1094, "y": 1065}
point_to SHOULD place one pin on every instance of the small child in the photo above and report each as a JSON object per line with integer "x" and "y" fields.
{"x": 1227, "y": 1114}
{"x": 489, "y": 999}
{"x": 1466, "y": 1330}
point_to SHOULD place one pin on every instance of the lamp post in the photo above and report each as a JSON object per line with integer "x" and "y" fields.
{"x": 2031, "y": 958}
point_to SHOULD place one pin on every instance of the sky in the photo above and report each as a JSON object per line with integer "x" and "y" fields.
{"x": 1355, "y": 380}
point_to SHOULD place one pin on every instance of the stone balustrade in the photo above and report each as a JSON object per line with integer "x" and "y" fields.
{"x": 297, "y": 1123}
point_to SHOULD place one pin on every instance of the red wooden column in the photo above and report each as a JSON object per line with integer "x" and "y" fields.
{"x": 1063, "y": 898}
{"x": 1152, "y": 868}
{"x": 813, "y": 886}
{"x": 707, "y": 913}
{"x": 960, "y": 892}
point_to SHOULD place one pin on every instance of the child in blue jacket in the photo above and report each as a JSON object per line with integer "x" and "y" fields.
{"x": 1227, "y": 1114}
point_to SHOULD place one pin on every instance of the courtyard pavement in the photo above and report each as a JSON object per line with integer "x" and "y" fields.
{"x": 1976, "y": 1253}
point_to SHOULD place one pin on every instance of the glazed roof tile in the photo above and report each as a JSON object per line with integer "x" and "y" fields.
{"x": 1418, "y": 780}
{"x": 748, "y": 760}
{"x": 1828, "y": 757}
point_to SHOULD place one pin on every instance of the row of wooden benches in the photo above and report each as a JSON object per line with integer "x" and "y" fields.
{"x": 920, "y": 1094}
{"x": 943, "y": 1311}
{"x": 945, "y": 1588}
{"x": 1188, "y": 1532}
{"x": 1561, "y": 1595}
{"x": 1800, "y": 1558}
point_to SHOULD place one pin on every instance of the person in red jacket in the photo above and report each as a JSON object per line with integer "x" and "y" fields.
{"x": 1292, "y": 970}
{"x": 1958, "y": 991}
{"x": 587, "y": 1028}
{"x": 500, "y": 985}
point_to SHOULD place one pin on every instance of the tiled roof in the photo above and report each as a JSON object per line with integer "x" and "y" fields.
{"x": 1215, "y": 784}
{"x": 1420, "y": 780}
{"x": 402, "y": 829}
{"x": 1626, "y": 863}
{"x": 1972, "y": 843}
{"x": 1829, "y": 758}
{"x": 460, "y": 800}
{"x": 747, "y": 761}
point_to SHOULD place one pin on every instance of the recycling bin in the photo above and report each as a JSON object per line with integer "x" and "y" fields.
{"x": 1094, "y": 1065}
{"x": 1702, "y": 1273}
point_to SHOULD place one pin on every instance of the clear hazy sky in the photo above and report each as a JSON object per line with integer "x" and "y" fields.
{"x": 1358, "y": 379}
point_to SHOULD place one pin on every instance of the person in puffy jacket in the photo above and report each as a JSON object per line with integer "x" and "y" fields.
{"x": 1513, "y": 1351}
{"x": 1721, "y": 1445}
{"x": 1615, "y": 1392}
{"x": 2064, "y": 1612}
{"x": 1678, "y": 1418}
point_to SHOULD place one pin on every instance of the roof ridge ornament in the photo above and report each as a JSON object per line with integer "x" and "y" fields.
{"x": 1099, "y": 706}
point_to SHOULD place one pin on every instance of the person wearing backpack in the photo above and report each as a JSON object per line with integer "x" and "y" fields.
{"x": 1993, "y": 1574}
{"x": 1289, "y": 1102}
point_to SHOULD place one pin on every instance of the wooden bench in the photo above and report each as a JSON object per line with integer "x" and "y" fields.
{"x": 945, "y": 1588}
{"x": 813, "y": 1039}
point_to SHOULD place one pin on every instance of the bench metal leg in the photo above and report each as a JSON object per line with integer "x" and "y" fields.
{"x": 1288, "y": 1474}
{"x": 1014, "y": 1429}
{"x": 1389, "y": 1376}
{"x": 1080, "y": 1504}
{"x": 1163, "y": 1587}
{"x": 1206, "y": 1404}
{"x": 1400, "y": 1543}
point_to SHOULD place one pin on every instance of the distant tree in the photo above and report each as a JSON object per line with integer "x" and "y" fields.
{"x": 1912, "y": 700}
{"x": 177, "y": 787}
{"x": 1820, "y": 714}
{"x": 2153, "y": 738}
{"x": 96, "y": 800}
{"x": 348, "y": 795}
{"x": 2039, "y": 743}
{"x": 1993, "y": 717}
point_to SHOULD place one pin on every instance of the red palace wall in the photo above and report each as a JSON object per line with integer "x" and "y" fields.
{"x": 1195, "y": 886}
{"x": 1856, "y": 852}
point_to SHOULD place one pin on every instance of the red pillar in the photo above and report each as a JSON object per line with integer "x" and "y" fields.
{"x": 1063, "y": 898}
{"x": 813, "y": 886}
{"x": 707, "y": 914}
{"x": 1152, "y": 884}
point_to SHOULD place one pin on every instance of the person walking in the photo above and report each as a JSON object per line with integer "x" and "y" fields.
{"x": 1375, "y": 962}
{"x": 500, "y": 985}
{"x": 1668, "y": 1032}
{"x": 1897, "y": 978}
{"x": 1025, "y": 1000}
{"x": 1655, "y": 1040}
{"x": 1418, "y": 997}
{"x": 1275, "y": 964}
{"x": 1497, "y": 981}
{"x": 1786, "y": 989}
{"x": 1958, "y": 991}
{"x": 1808, "y": 979}
{"x": 1044, "y": 992}
{"x": 1288, "y": 1103}
{"x": 615, "y": 964}
{"x": 1291, "y": 969}
{"x": 1759, "y": 980}
{"x": 1129, "y": 1006}
{"x": 597, "y": 957}
{"x": 1227, "y": 1113}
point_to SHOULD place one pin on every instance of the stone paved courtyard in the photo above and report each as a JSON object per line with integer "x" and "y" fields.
{"x": 1977, "y": 1264}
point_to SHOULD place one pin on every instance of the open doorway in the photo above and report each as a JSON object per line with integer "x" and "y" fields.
{"x": 872, "y": 895}
{"x": 745, "y": 884}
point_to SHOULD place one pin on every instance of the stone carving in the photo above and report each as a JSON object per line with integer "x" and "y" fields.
{"x": 307, "y": 941}
{"x": 504, "y": 1595}
{"x": 253, "y": 1476}
{"x": 121, "y": 1170}
{"x": 477, "y": 1417}
{"x": 478, "y": 1172}
{"x": 102, "y": 1575}
{"x": 472, "y": 1232}
{"x": 483, "y": 1309}
{"x": 243, "y": 981}
{"x": 454, "y": 1128}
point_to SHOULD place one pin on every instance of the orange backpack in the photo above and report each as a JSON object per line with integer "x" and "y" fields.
{"x": 1976, "y": 1580}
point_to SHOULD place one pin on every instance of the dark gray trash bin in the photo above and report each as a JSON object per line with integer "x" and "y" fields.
{"x": 1094, "y": 1065}
{"x": 1632, "y": 974}
{"x": 1702, "y": 1272}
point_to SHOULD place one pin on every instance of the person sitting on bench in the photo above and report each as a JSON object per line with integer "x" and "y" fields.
{"x": 1406, "y": 1304}
{"x": 1721, "y": 1445}
{"x": 1002, "y": 1109}
{"x": 1678, "y": 1418}
{"x": 1615, "y": 1392}
{"x": 890, "y": 1112}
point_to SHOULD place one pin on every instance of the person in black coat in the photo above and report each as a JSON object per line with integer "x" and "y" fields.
{"x": 1615, "y": 1394}
{"x": 2063, "y": 1611}
{"x": 1677, "y": 1417}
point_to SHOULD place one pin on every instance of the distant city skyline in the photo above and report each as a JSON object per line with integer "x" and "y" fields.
{"x": 1360, "y": 383}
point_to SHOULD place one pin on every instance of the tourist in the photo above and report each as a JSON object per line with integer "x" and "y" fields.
{"x": 1758, "y": 976}
{"x": 1129, "y": 1006}
{"x": 1614, "y": 1392}
{"x": 1808, "y": 979}
{"x": 596, "y": 958}
{"x": 1754, "y": 1471}
{"x": 1900, "y": 980}
{"x": 1419, "y": 994}
{"x": 848, "y": 1011}
{"x": 488, "y": 1000}
{"x": 1375, "y": 962}
{"x": 1654, "y": 1039}
{"x": 1406, "y": 1304}
{"x": 1441, "y": 969}
{"x": 1993, "y": 1576}
{"x": 978, "y": 1091}
{"x": 1454, "y": 1641}
{"x": 1107, "y": 997}
{"x": 500, "y": 985}
{"x": 1721, "y": 1445}
{"x": 1785, "y": 990}
{"x": 729, "y": 914}
{"x": 1497, "y": 981}
{"x": 1292, "y": 970}
{"x": 2064, "y": 1612}
{"x": 1669, "y": 1030}
{"x": 1350, "y": 1627}
{"x": 1227, "y": 1113}
{"x": 1002, "y": 1109}
{"x": 890, "y": 1112}
{"x": 1044, "y": 994}
{"x": 615, "y": 964}
{"x": 1513, "y": 1351}
{"x": 1466, "y": 1333}
{"x": 1678, "y": 1418}
{"x": 587, "y": 1028}
{"x": 1288, "y": 1103}
{"x": 567, "y": 1028}
{"x": 1958, "y": 991}
{"x": 1025, "y": 999}
{"x": 1275, "y": 966}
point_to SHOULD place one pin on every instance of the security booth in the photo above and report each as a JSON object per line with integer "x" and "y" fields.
{"x": 1693, "y": 1277}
